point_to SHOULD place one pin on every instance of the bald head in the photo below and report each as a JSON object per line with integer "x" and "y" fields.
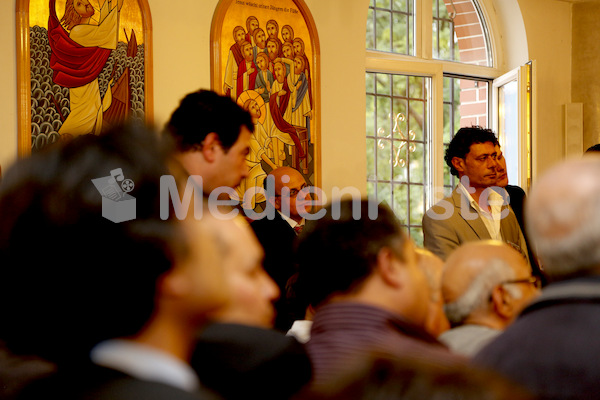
{"x": 473, "y": 271}
{"x": 468, "y": 262}
{"x": 283, "y": 176}
{"x": 563, "y": 218}
{"x": 288, "y": 183}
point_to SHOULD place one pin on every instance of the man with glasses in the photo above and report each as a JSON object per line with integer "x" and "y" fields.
{"x": 485, "y": 285}
{"x": 277, "y": 235}
{"x": 552, "y": 348}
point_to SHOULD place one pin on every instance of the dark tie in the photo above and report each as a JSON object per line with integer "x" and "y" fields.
{"x": 298, "y": 229}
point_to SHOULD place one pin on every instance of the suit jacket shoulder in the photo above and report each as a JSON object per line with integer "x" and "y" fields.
{"x": 452, "y": 221}
{"x": 91, "y": 382}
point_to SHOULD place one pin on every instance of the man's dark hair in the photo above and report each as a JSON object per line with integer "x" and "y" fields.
{"x": 462, "y": 141}
{"x": 70, "y": 278}
{"x": 203, "y": 112}
{"x": 335, "y": 255}
{"x": 593, "y": 149}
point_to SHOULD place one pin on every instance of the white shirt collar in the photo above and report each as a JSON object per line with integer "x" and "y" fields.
{"x": 145, "y": 363}
{"x": 495, "y": 200}
{"x": 290, "y": 221}
{"x": 491, "y": 219}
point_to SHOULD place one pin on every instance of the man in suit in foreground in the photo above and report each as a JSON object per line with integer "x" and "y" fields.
{"x": 474, "y": 211}
{"x": 239, "y": 345}
{"x": 553, "y": 348}
{"x": 359, "y": 269}
{"x": 277, "y": 235}
{"x": 116, "y": 306}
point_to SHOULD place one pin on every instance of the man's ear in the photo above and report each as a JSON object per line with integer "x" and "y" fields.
{"x": 458, "y": 164}
{"x": 502, "y": 302}
{"x": 210, "y": 146}
{"x": 173, "y": 284}
{"x": 388, "y": 267}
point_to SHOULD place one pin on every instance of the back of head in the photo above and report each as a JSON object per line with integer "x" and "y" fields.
{"x": 593, "y": 149}
{"x": 563, "y": 218}
{"x": 70, "y": 277}
{"x": 337, "y": 252}
{"x": 203, "y": 112}
{"x": 462, "y": 141}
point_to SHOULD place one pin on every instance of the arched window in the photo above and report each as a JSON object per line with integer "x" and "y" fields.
{"x": 430, "y": 70}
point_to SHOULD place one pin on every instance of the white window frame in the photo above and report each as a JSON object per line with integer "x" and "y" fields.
{"x": 422, "y": 64}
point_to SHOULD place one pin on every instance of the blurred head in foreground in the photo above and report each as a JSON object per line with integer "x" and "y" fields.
{"x": 381, "y": 377}
{"x": 71, "y": 278}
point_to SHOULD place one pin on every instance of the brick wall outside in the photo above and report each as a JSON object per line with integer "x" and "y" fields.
{"x": 472, "y": 49}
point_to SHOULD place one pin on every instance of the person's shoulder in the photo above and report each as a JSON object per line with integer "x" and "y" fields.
{"x": 443, "y": 209}
{"x": 515, "y": 191}
{"x": 100, "y": 383}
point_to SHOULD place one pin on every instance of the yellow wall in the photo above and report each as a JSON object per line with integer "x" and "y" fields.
{"x": 181, "y": 64}
{"x": 548, "y": 28}
{"x": 586, "y": 59}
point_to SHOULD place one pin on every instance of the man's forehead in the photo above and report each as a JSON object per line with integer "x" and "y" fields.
{"x": 478, "y": 149}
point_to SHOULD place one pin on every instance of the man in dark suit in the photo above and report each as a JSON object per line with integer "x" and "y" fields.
{"x": 277, "y": 235}
{"x": 553, "y": 348}
{"x": 115, "y": 306}
{"x": 474, "y": 211}
{"x": 238, "y": 354}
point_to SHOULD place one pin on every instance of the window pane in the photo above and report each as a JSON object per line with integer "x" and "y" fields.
{"x": 415, "y": 87}
{"x": 400, "y": 124}
{"x": 383, "y": 31}
{"x": 371, "y": 174}
{"x": 416, "y": 123}
{"x": 371, "y": 29}
{"x": 384, "y": 112}
{"x": 384, "y": 193}
{"x": 401, "y": 5}
{"x": 370, "y": 80}
{"x": 400, "y": 43}
{"x": 371, "y": 189}
{"x": 459, "y": 33}
{"x": 384, "y": 157}
{"x": 370, "y": 128}
{"x": 401, "y": 202}
{"x": 417, "y": 235}
{"x": 399, "y": 84}
{"x": 508, "y": 129}
{"x": 400, "y": 162}
{"x": 416, "y": 154}
{"x": 383, "y": 84}
{"x": 390, "y": 26}
{"x": 417, "y": 205}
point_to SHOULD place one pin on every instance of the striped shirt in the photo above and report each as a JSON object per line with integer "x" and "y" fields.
{"x": 342, "y": 332}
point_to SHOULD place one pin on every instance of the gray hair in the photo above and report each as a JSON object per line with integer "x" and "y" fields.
{"x": 564, "y": 226}
{"x": 477, "y": 295}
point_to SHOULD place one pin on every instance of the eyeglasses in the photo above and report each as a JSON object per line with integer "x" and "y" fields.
{"x": 533, "y": 280}
{"x": 293, "y": 192}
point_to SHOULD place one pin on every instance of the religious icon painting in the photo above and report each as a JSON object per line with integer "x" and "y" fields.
{"x": 265, "y": 56}
{"x": 84, "y": 66}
